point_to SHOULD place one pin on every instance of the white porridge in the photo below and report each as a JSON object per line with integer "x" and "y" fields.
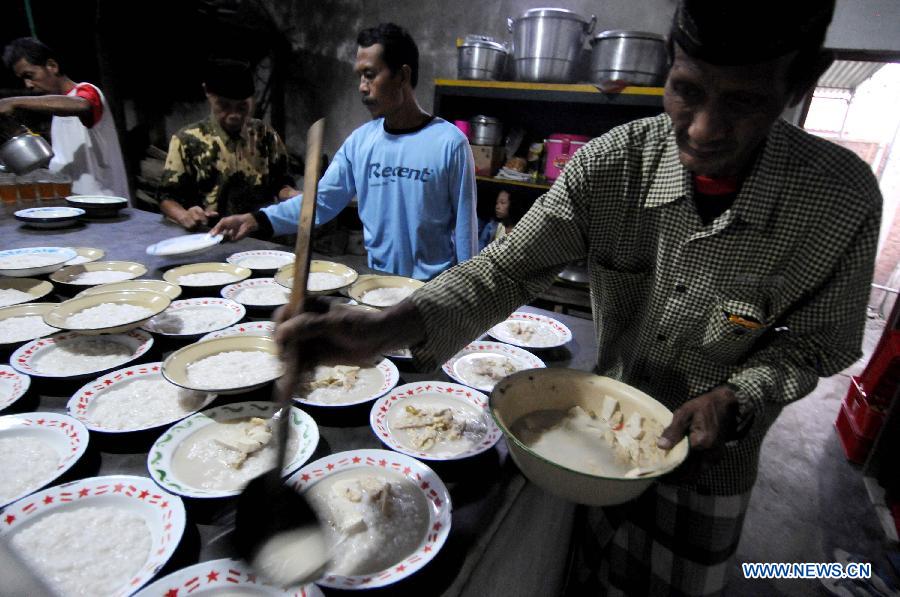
{"x": 25, "y": 464}
{"x": 11, "y": 296}
{"x": 107, "y": 315}
{"x": 437, "y": 425}
{"x": 319, "y": 281}
{"x": 485, "y": 370}
{"x": 20, "y": 329}
{"x": 100, "y": 277}
{"x": 531, "y": 333}
{"x": 340, "y": 384}
{"x": 81, "y": 354}
{"x": 378, "y": 516}
{"x": 86, "y": 551}
{"x": 387, "y": 296}
{"x": 234, "y": 369}
{"x": 207, "y": 279}
{"x": 226, "y": 455}
{"x": 265, "y": 261}
{"x": 191, "y": 320}
{"x": 143, "y": 403}
{"x": 27, "y": 261}
{"x": 269, "y": 294}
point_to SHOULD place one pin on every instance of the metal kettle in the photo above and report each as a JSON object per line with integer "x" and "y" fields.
{"x": 21, "y": 151}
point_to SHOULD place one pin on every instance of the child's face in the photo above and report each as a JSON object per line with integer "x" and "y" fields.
{"x": 501, "y": 209}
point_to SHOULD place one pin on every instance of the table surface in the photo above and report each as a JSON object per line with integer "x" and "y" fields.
{"x": 506, "y": 536}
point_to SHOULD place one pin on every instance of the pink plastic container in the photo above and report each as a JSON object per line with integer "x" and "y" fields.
{"x": 559, "y": 147}
{"x": 463, "y": 125}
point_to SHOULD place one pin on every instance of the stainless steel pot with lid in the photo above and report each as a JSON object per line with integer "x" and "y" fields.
{"x": 547, "y": 43}
{"x": 480, "y": 57}
{"x": 485, "y": 130}
{"x": 638, "y": 57}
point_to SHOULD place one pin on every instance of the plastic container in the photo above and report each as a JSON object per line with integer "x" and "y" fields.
{"x": 866, "y": 418}
{"x": 464, "y": 126}
{"x": 560, "y": 147}
{"x": 856, "y": 447}
{"x": 882, "y": 374}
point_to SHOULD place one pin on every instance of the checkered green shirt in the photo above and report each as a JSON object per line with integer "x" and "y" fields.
{"x": 795, "y": 253}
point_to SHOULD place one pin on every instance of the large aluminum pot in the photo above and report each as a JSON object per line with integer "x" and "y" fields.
{"x": 634, "y": 56}
{"x": 547, "y": 43}
{"x": 481, "y": 57}
{"x": 485, "y": 130}
{"x": 24, "y": 153}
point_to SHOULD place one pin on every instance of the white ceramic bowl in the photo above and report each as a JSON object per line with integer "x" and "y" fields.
{"x": 26, "y": 359}
{"x": 83, "y": 401}
{"x": 188, "y": 244}
{"x": 345, "y": 275}
{"x": 13, "y": 385}
{"x": 175, "y": 367}
{"x": 227, "y": 313}
{"x": 36, "y": 289}
{"x": 262, "y": 261}
{"x": 69, "y": 276}
{"x": 66, "y": 436}
{"x": 176, "y": 275}
{"x": 173, "y": 291}
{"x": 162, "y": 511}
{"x": 14, "y": 262}
{"x": 49, "y": 217}
{"x": 387, "y": 375}
{"x": 458, "y": 367}
{"x": 547, "y": 332}
{"x": 159, "y": 459}
{"x": 238, "y": 292}
{"x": 26, "y": 310}
{"x": 60, "y": 316}
{"x": 98, "y": 206}
{"x": 561, "y": 389}
{"x": 248, "y": 328}
{"x": 358, "y": 291}
{"x": 431, "y": 486}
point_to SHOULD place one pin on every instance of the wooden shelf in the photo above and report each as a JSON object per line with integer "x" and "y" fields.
{"x": 514, "y": 183}
{"x": 552, "y": 92}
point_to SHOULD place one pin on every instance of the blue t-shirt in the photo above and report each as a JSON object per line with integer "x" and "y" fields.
{"x": 416, "y": 195}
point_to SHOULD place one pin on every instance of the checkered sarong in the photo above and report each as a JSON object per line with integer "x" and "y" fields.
{"x": 670, "y": 541}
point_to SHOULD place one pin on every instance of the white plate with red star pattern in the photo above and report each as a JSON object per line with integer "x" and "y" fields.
{"x": 83, "y": 403}
{"x": 530, "y": 330}
{"x": 13, "y": 385}
{"x": 62, "y": 434}
{"x": 28, "y": 357}
{"x": 404, "y": 421}
{"x": 249, "y": 328}
{"x": 481, "y": 365}
{"x": 222, "y": 577}
{"x": 162, "y": 511}
{"x": 420, "y": 475}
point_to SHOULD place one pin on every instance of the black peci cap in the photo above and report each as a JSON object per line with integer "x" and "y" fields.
{"x": 229, "y": 78}
{"x": 733, "y": 33}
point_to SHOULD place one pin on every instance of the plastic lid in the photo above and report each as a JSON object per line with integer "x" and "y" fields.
{"x": 482, "y": 119}
{"x": 615, "y": 33}
{"x": 482, "y": 41}
{"x": 556, "y": 13}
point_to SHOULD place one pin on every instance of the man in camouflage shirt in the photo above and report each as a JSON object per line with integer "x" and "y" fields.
{"x": 229, "y": 163}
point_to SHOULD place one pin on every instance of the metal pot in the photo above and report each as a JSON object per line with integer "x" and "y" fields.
{"x": 24, "y": 153}
{"x": 485, "y": 130}
{"x": 480, "y": 57}
{"x": 634, "y": 56}
{"x": 547, "y": 43}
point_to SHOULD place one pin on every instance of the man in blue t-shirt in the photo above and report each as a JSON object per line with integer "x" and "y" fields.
{"x": 412, "y": 172}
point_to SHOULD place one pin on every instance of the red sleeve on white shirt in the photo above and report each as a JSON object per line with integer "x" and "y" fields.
{"x": 90, "y": 93}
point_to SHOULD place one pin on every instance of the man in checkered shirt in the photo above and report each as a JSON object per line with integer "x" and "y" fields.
{"x": 730, "y": 258}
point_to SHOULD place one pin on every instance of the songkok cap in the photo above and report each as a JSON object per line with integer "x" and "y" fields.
{"x": 229, "y": 78}
{"x": 734, "y": 33}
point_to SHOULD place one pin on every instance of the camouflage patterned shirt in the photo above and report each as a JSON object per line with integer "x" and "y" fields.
{"x": 207, "y": 167}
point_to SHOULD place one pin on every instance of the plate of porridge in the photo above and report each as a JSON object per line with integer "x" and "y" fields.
{"x": 346, "y": 384}
{"x": 173, "y": 291}
{"x": 387, "y": 513}
{"x": 481, "y": 365}
{"x": 434, "y": 420}
{"x": 15, "y": 291}
{"x": 230, "y": 365}
{"x": 98, "y": 536}
{"x": 72, "y": 355}
{"x": 265, "y": 260}
{"x": 134, "y": 399}
{"x": 35, "y": 450}
{"x": 107, "y": 312}
{"x": 258, "y": 293}
{"x": 225, "y": 578}
{"x": 215, "y": 453}
{"x": 76, "y": 277}
{"x": 86, "y": 255}
{"x": 325, "y": 277}
{"x": 195, "y": 317}
{"x": 32, "y": 261}
{"x": 383, "y": 291}
{"x": 187, "y": 244}
{"x": 13, "y": 385}
{"x": 530, "y": 330}
{"x": 248, "y": 328}
{"x": 212, "y": 275}
{"x": 23, "y": 323}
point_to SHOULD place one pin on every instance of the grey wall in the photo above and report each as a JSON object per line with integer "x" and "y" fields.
{"x": 323, "y": 42}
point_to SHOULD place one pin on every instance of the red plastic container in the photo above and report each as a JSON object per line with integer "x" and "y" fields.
{"x": 560, "y": 147}
{"x": 865, "y": 417}
{"x": 881, "y": 377}
{"x": 856, "y": 446}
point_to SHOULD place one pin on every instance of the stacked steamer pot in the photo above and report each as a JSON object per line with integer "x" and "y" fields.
{"x": 547, "y": 44}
